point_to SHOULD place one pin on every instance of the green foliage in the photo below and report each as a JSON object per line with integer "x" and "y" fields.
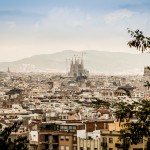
{"x": 101, "y": 103}
{"x": 21, "y": 143}
{"x": 147, "y": 84}
{"x": 134, "y": 130}
{"x": 124, "y": 111}
{"x": 139, "y": 41}
{"x": 123, "y": 91}
{"x": 135, "y": 120}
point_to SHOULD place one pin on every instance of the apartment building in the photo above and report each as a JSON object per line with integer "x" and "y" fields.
{"x": 88, "y": 140}
{"x": 58, "y": 136}
{"x": 110, "y": 140}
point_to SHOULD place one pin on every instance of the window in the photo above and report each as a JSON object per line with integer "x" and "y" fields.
{"x": 61, "y": 138}
{"x": 74, "y": 127}
{"x": 67, "y": 147}
{"x": 110, "y": 140}
{"x": 67, "y": 138}
{"x": 50, "y": 137}
{"x": 65, "y": 127}
{"x": 70, "y": 127}
{"x": 81, "y": 148}
{"x": 46, "y": 137}
{"x": 74, "y": 148}
{"x": 95, "y": 148}
{"x": 140, "y": 140}
{"x": 104, "y": 139}
{"x": 110, "y": 148}
{"x": 74, "y": 138}
{"x": 65, "y": 117}
{"x": 88, "y": 148}
{"x": 61, "y": 127}
{"x": 61, "y": 147}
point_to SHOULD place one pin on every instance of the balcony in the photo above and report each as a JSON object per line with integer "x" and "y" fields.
{"x": 53, "y": 147}
{"x": 148, "y": 144}
{"x": 104, "y": 144}
{"x": 53, "y": 141}
{"x": 120, "y": 145}
{"x": 126, "y": 145}
{"x": 44, "y": 142}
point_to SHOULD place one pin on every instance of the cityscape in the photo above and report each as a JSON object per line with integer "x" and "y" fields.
{"x": 58, "y": 110}
{"x": 70, "y": 79}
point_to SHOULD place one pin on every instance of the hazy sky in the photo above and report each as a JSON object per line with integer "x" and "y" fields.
{"x": 30, "y": 27}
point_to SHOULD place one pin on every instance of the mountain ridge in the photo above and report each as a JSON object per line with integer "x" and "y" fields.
{"x": 95, "y": 62}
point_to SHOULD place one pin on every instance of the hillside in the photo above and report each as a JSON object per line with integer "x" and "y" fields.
{"x": 95, "y": 62}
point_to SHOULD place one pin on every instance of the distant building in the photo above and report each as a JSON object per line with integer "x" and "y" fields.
{"x": 3, "y": 75}
{"x": 58, "y": 136}
{"x": 88, "y": 140}
{"x": 8, "y": 71}
{"x": 110, "y": 140}
{"x": 146, "y": 72}
{"x": 77, "y": 68}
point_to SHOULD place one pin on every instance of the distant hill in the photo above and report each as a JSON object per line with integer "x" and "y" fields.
{"x": 95, "y": 62}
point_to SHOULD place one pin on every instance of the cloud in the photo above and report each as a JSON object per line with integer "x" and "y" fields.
{"x": 118, "y": 15}
{"x": 36, "y": 25}
{"x": 66, "y": 18}
{"x": 10, "y": 24}
{"x": 19, "y": 13}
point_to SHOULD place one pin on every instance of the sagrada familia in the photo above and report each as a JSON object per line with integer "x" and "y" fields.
{"x": 77, "y": 68}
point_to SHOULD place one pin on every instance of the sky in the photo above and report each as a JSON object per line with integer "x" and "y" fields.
{"x": 33, "y": 27}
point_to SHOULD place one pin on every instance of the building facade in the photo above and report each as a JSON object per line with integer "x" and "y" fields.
{"x": 110, "y": 140}
{"x": 146, "y": 74}
{"x": 77, "y": 68}
{"x": 58, "y": 136}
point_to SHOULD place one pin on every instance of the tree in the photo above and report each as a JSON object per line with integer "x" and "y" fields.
{"x": 135, "y": 117}
{"x": 139, "y": 41}
{"x": 101, "y": 103}
{"x": 123, "y": 91}
{"x": 21, "y": 143}
{"x": 135, "y": 120}
{"x": 147, "y": 84}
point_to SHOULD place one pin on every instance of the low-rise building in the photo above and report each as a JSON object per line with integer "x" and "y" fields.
{"x": 110, "y": 140}
{"x": 58, "y": 136}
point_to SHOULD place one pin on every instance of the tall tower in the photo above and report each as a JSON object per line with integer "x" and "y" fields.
{"x": 8, "y": 71}
{"x": 82, "y": 64}
{"x": 77, "y": 67}
{"x": 146, "y": 75}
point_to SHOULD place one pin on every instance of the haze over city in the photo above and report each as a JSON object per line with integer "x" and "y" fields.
{"x": 31, "y": 27}
{"x": 74, "y": 75}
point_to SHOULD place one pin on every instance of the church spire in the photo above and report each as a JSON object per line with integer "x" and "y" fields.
{"x": 82, "y": 61}
{"x": 8, "y": 70}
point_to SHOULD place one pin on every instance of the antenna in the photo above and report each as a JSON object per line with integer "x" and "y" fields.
{"x": 75, "y": 57}
{"x": 8, "y": 70}
{"x": 83, "y": 53}
{"x": 67, "y": 59}
{"x": 82, "y": 57}
{"x": 66, "y": 65}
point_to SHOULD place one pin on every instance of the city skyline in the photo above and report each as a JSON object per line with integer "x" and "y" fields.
{"x": 43, "y": 27}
